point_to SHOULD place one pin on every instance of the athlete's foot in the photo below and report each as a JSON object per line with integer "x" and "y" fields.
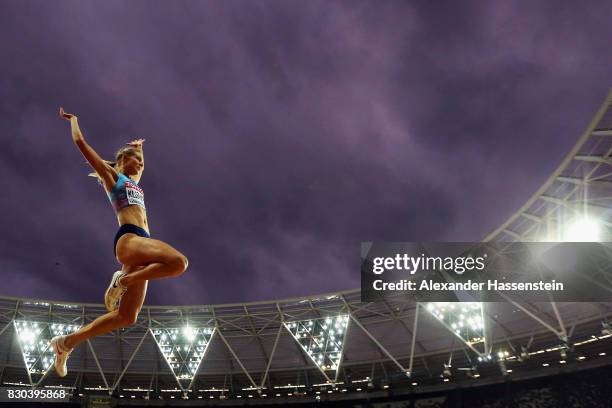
{"x": 61, "y": 354}
{"x": 112, "y": 297}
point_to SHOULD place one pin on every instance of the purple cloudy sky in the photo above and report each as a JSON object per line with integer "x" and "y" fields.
{"x": 281, "y": 134}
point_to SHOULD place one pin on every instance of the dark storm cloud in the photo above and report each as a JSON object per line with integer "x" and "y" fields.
{"x": 281, "y": 134}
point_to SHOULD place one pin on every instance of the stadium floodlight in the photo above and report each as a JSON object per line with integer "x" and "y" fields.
{"x": 34, "y": 338}
{"x": 485, "y": 359}
{"x": 583, "y": 229}
{"x": 322, "y": 339}
{"x": 465, "y": 320}
{"x": 183, "y": 349}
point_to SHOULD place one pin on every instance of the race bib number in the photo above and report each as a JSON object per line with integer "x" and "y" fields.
{"x": 134, "y": 194}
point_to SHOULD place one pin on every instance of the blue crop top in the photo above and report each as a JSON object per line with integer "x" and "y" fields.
{"x": 126, "y": 192}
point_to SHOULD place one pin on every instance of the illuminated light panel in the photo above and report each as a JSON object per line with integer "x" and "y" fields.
{"x": 583, "y": 230}
{"x": 322, "y": 339}
{"x": 34, "y": 338}
{"x": 464, "y": 319}
{"x": 183, "y": 349}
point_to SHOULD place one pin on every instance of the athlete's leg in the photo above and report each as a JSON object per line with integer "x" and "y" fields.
{"x": 126, "y": 315}
{"x": 161, "y": 260}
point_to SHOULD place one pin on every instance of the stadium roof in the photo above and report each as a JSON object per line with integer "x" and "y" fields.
{"x": 335, "y": 342}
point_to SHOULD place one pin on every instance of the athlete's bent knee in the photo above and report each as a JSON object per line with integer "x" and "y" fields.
{"x": 179, "y": 264}
{"x": 127, "y": 319}
{"x": 185, "y": 263}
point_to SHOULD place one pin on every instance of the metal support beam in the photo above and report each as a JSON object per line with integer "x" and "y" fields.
{"x": 534, "y": 317}
{"x": 200, "y": 364}
{"x": 256, "y": 335}
{"x": 514, "y": 234}
{"x": 584, "y": 182}
{"x": 130, "y": 360}
{"x": 593, "y": 158}
{"x": 237, "y": 359}
{"x": 402, "y": 322}
{"x": 265, "y": 376}
{"x": 559, "y": 319}
{"x": 24, "y": 362}
{"x": 5, "y": 327}
{"x": 150, "y": 385}
{"x": 414, "y": 334}
{"x": 531, "y": 217}
{"x": 380, "y": 346}
{"x": 13, "y": 338}
{"x": 42, "y": 378}
{"x": 486, "y": 331}
{"x": 280, "y": 329}
{"x": 341, "y": 352}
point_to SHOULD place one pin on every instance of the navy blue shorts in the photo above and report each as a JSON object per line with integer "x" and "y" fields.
{"x": 130, "y": 229}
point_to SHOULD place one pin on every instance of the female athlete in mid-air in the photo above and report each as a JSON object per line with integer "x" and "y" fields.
{"x": 142, "y": 257}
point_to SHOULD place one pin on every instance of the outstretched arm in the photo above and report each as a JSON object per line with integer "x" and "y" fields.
{"x": 106, "y": 172}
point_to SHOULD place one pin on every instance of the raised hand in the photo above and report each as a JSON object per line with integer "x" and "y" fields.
{"x": 66, "y": 115}
{"x": 136, "y": 143}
